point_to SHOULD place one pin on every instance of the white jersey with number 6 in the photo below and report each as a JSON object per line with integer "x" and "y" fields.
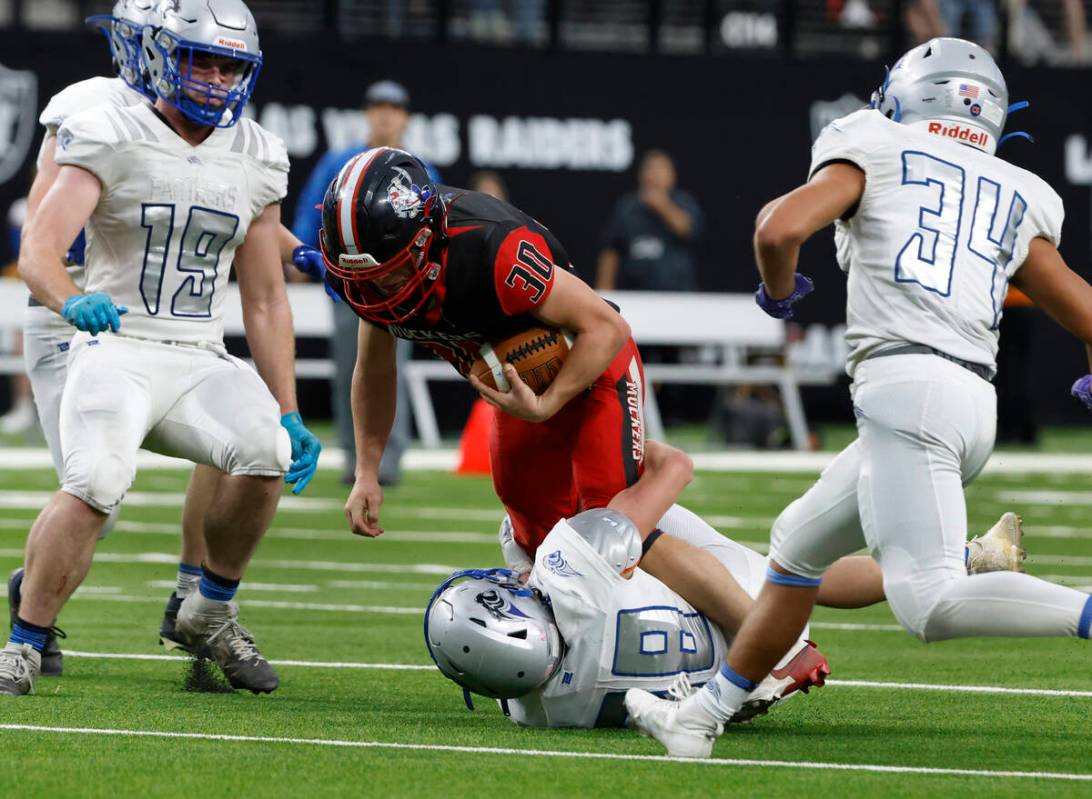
{"x": 162, "y": 238}
{"x": 620, "y": 633}
{"x": 940, "y": 230}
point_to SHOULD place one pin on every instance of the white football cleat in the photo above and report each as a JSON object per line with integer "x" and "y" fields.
{"x": 1000, "y": 549}
{"x": 685, "y": 736}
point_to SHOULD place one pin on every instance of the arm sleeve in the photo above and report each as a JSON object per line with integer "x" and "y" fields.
{"x": 845, "y": 139}
{"x": 86, "y": 141}
{"x": 523, "y": 270}
{"x": 308, "y": 219}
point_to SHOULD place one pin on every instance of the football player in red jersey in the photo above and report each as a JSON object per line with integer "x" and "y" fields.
{"x": 450, "y": 268}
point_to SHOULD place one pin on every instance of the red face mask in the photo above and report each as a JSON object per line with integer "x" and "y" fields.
{"x": 387, "y": 301}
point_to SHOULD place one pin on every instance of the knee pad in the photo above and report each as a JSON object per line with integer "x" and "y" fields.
{"x": 101, "y": 483}
{"x": 262, "y": 448}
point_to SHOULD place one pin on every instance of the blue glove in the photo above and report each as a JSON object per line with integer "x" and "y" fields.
{"x": 309, "y": 261}
{"x": 305, "y": 452}
{"x": 94, "y": 313}
{"x": 782, "y": 309}
{"x": 1082, "y": 390}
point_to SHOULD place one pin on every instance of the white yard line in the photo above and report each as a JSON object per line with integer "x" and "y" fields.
{"x": 898, "y": 686}
{"x": 547, "y": 753}
{"x": 287, "y": 588}
{"x": 1069, "y": 498}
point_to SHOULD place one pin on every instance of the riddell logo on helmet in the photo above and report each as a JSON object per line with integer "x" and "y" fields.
{"x": 978, "y": 138}
{"x": 234, "y": 44}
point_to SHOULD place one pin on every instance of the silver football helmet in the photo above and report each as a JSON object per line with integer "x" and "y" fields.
{"x": 951, "y": 87}
{"x": 123, "y": 28}
{"x": 187, "y": 31}
{"x": 491, "y": 634}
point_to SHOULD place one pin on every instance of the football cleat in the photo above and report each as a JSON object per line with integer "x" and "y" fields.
{"x": 20, "y": 666}
{"x": 52, "y": 658}
{"x": 1000, "y": 549}
{"x": 683, "y": 734}
{"x": 211, "y": 630}
{"x": 168, "y": 638}
{"x": 803, "y": 668}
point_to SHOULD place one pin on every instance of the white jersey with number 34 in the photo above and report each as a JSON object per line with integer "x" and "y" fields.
{"x": 162, "y": 238}
{"x": 940, "y": 230}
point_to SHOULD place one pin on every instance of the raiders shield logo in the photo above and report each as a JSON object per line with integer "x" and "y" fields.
{"x": 18, "y": 118}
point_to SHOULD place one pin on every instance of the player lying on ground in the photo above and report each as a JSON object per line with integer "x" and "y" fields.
{"x": 563, "y": 647}
{"x": 171, "y": 197}
{"x": 47, "y": 335}
{"x": 451, "y": 269}
{"x": 930, "y": 226}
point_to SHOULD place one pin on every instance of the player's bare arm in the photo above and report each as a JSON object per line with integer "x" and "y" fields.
{"x": 599, "y": 331}
{"x": 374, "y": 393}
{"x": 793, "y": 218}
{"x": 50, "y": 230}
{"x": 45, "y": 175}
{"x": 1057, "y": 289}
{"x": 267, "y": 315}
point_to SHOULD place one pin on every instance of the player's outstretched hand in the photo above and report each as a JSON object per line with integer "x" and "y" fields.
{"x": 362, "y": 507}
{"x": 1082, "y": 390}
{"x": 309, "y": 261}
{"x": 93, "y": 313}
{"x": 782, "y": 309}
{"x": 305, "y": 452}
{"x": 520, "y": 401}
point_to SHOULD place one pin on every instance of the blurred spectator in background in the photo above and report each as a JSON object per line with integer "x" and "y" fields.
{"x": 488, "y": 182}
{"x": 503, "y": 21}
{"x": 976, "y": 20}
{"x": 21, "y": 416}
{"x": 1033, "y": 29}
{"x": 922, "y": 20}
{"x": 648, "y": 244}
{"x": 386, "y": 111}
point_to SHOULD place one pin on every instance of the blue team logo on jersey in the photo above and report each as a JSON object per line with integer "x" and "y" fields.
{"x": 567, "y": 678}
{"x": 556, "y": 563}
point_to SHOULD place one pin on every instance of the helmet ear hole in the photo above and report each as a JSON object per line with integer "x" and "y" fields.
{"x": 521, "y": 634}
{"x": 478, "y": 622}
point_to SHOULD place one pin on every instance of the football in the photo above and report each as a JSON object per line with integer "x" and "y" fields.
{"x": 537, "y": 354}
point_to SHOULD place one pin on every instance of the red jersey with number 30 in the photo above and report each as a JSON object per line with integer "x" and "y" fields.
{"x": 498, "y": 268}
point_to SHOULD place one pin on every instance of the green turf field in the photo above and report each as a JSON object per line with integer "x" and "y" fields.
{"x": 372, "y": 727}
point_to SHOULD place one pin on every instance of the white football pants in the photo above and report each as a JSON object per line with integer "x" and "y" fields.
{"x": 926, "y": 428}
{"x": 46, "y": 338}
{"x": 195, "y": 403}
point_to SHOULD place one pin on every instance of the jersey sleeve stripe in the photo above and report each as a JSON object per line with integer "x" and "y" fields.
{"x": 132, "y": 133}
{"x": 118, "y": 135}
{"x": 239, "y": 144}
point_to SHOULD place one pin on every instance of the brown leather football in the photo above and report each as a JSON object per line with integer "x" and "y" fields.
{"x": 536, "y": 353}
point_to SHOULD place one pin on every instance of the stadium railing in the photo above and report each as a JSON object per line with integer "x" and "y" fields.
{"x": 730, "y": 324}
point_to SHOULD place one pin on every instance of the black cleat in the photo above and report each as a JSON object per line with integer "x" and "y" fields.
{"x": 168, "y": 637}
{"x": 52, "y": 657}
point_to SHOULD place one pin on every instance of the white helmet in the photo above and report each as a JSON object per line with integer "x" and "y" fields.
{"x": 123, "y": 28}
{"x": 950, "y": 87}
{"x": 491, "y": 634}
{"x": 183, "y": 29}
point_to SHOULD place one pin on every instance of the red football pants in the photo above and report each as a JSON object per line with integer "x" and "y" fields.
{"x": 580, "y": 458}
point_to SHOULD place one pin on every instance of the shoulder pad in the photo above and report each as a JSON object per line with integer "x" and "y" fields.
{"x": 261, "y": 145}
{"x": 81, "y": 96}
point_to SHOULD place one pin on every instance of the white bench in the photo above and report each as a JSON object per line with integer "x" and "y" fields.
{"x": 730, "y": 323}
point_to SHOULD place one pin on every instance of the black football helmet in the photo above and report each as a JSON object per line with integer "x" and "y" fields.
{"x": 383, "y": 234}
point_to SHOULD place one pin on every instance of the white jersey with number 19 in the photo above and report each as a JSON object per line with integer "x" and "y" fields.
{"x": 162, "y": 238}
{"x": 939, "y": 231}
